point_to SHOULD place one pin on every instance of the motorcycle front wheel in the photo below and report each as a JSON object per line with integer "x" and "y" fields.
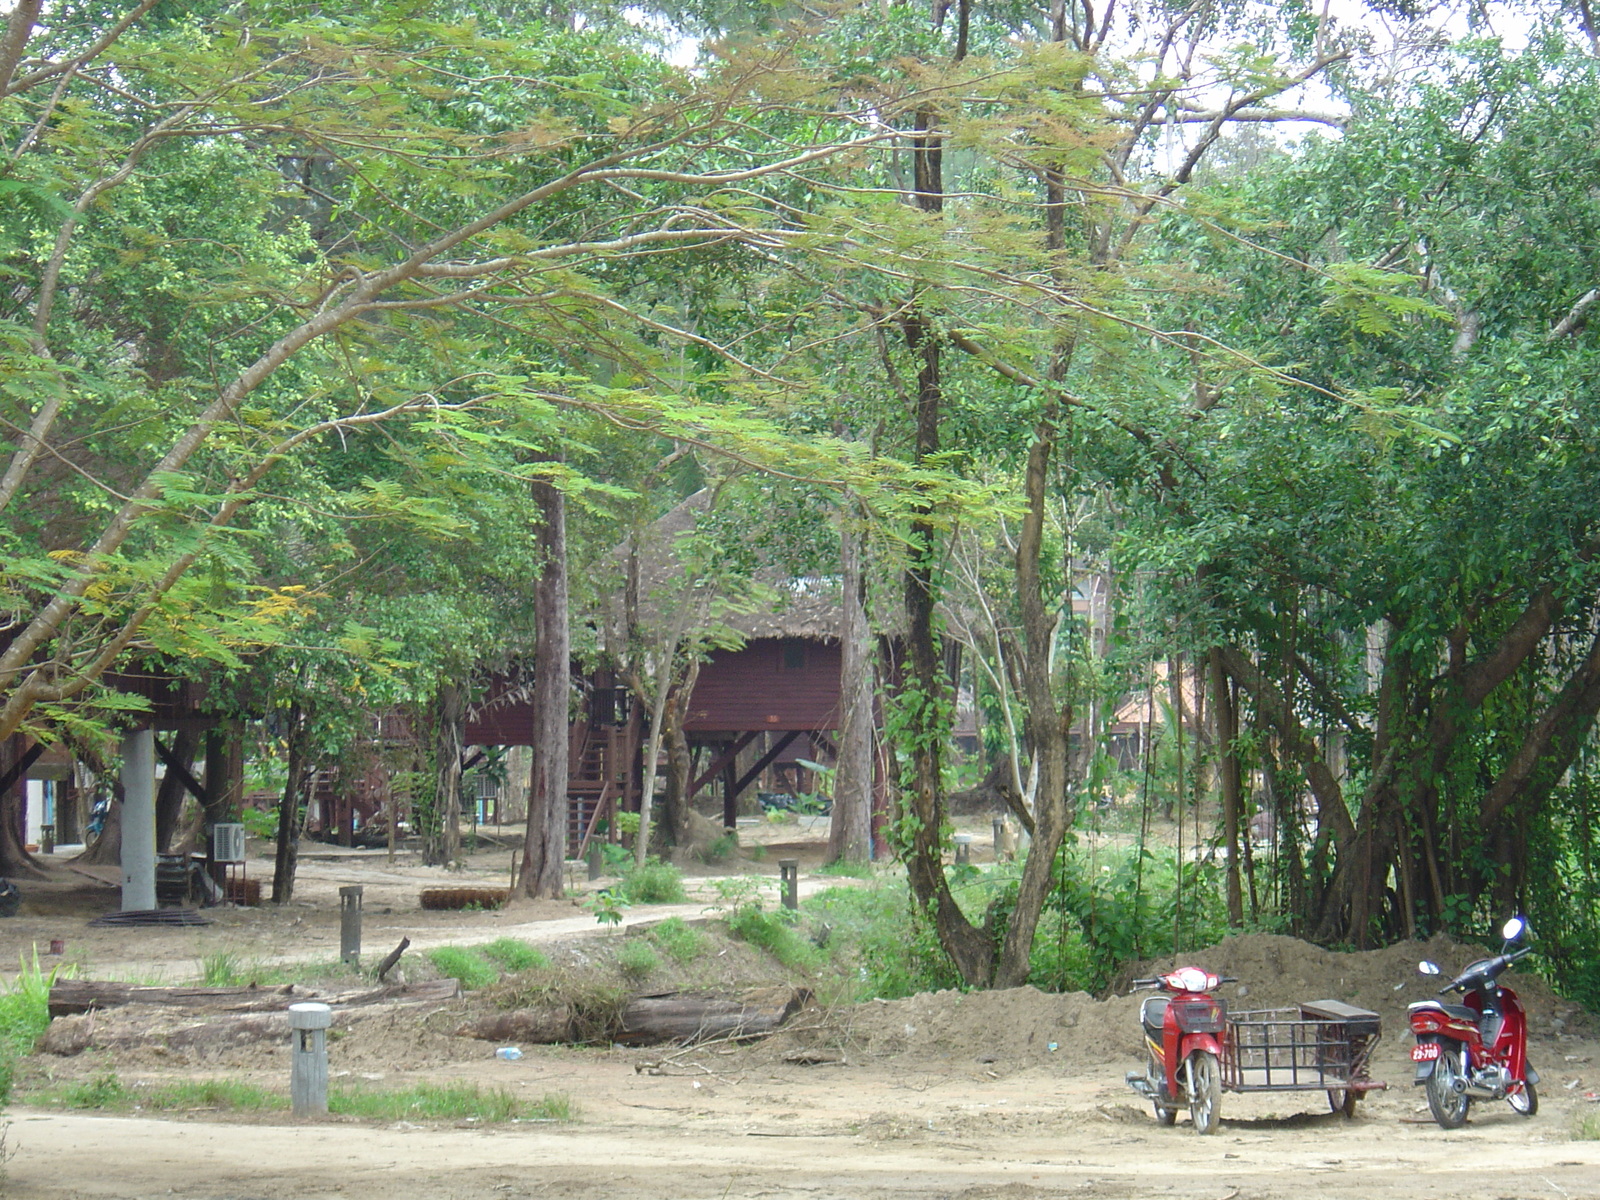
{"x": 1524, "y": 1103}
{"x": 1448, "y": 1106}
{"x": 1205, "y": 1096}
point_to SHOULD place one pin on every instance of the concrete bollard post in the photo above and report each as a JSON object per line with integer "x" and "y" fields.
{"x": 308, "y": 1075}
{"x": 47, "y": 838}
{"x": 350, "y": 923}
{"x": 963, "y": 849}
{"x": 789, "y": 878}
{"x": 999, "y": 836}
{"x": 596, "y": 859}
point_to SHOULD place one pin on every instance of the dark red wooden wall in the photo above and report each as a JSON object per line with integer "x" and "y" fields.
{"x": 777, "y": 683}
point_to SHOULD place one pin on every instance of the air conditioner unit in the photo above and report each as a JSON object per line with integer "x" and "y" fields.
{"x": 227, "y": 843}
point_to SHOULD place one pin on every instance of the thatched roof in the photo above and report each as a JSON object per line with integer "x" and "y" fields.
{"x": 784, "y": 605}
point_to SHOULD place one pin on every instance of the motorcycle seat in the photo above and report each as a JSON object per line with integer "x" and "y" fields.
{"x": 1152, "y": 1013}
{"x": 1459, "y": 1012}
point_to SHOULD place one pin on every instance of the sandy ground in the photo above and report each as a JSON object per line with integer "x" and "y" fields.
{"x": 991, "y": 1096}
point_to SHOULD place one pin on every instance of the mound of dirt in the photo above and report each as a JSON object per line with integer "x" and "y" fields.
{"x": 1021, "y": 1027}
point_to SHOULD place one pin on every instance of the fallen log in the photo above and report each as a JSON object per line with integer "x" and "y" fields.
{"x": 134, "y": 1027}
{"x": 69, "y": 997}
{"x": 644, "y": 1020}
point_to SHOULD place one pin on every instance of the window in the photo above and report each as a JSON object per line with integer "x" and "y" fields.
{"x": 792, "y": 656}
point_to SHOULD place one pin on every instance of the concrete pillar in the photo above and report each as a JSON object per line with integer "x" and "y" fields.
{"x": 139, "y": 821}
{"x": 308, "y": 1072}
{"x": 789, "y": 880}
{"x": 350, "y": 923}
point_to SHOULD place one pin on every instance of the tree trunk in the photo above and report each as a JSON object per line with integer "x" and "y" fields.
{"x": 1225, "y": 717}
{"x": 173, "y": 790}
{"x": 14, "y": 857}
{"x": 443, "y": 844}
{"x": 291, "y": 807}
{"x": 545, "y": 846}
{"x": 850, "y": 830}
{"x": 1048, "y": 723}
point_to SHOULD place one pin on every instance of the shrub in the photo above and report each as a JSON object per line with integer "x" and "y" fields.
{"x": 102, "y": 1091}
{"x": 875, "y": 940}
{"x": 775, "y": 934}
{"x": 678, "y": 940}
{"x": 655, "y": 882}
{"x": 636, "y": 959}
{"x": 515, "y": 955}
{"x": 24, "y": 1016}
{"x": 463, "y": 964}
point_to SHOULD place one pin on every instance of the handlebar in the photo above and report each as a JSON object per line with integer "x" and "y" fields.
{"x": 1488, "y": 970}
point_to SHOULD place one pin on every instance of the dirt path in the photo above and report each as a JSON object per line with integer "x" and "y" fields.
{"x": 863, "y": 1133}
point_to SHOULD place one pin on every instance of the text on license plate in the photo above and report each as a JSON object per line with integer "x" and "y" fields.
{"x": 1425, "y": 1052}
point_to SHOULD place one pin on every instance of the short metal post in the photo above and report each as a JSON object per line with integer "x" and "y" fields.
{"x": 350, "y": 923}
{"x": 308, "y": 1077}
{"x": 963, "y": 849}
{"x": 789, "y": 877}
{"x": 596, "y": 859}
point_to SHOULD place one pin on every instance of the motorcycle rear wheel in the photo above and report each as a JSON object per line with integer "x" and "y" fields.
{"x": 1166, "y": 1114}
{"x": 1205, "y": 1100}
{"x": 1448, "y": 1106}
{"x": 1524, "y": 1103}
{"x": 1343, "y": 1100}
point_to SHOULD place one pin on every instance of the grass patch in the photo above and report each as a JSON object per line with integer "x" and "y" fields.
{"x": 219, "y": 970}
{"x": 594, "y": 1005}
{"x": 637, "y": 958}
{"x": 448, "y": 1102}
{"x": 1588, "y": 1129}
{"x": 101, "y": 1091}
{"x": 848, "y": 868}
{"x": 465, "y": 965}
{"x": 655, "y": 882}
{"x": 775, "y": 934}
{"x": 429, "y": 1102}
{"x": 875, "y": 945}
{"x": 514, "y": 955}
{"x": 24, "y": 1016}
{"x": 678, "y": 940}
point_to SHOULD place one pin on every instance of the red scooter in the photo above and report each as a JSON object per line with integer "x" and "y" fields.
{"x": 1185, "y": 1033}
{"x": 1478, "y": 1049}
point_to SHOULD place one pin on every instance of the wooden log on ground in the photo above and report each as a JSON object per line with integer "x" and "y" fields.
{"x": 72, "y": 996}
{"x": 645, "y": 1020}
{"x": 648, "y": 1019}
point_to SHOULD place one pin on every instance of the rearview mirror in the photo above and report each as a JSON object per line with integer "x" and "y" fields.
{"x": 1428, "y": 968}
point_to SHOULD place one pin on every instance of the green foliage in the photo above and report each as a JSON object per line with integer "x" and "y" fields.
{"x": 877, "y": 941}
{"x": 607, "y": 906}
{"x": 678, "y": 940}
{"x": 448, "y": 1102}
{"x": 104, "y": 1090}
{"x": 465, "y": 964}
{"x": 259, "y": 823}
{"x": 24, "y": 1016}
{"x": 637, "y": 959}
{"x": 775, "y": 933}
{"x": 219, "y": 970}
{"x": 654, "y": 882}
{"x": 721, "y": 849}
{"x": 515, "y": 955}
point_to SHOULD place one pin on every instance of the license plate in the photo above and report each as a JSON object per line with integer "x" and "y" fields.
{"x": 1425, "y": 1052}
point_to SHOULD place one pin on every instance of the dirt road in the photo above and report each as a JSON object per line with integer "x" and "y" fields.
{"x": 842, "y": 1132}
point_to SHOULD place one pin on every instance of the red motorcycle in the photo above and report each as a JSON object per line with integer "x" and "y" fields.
{"x": 1478, "y": 1049}
{"x": 1185, "y": 1034}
